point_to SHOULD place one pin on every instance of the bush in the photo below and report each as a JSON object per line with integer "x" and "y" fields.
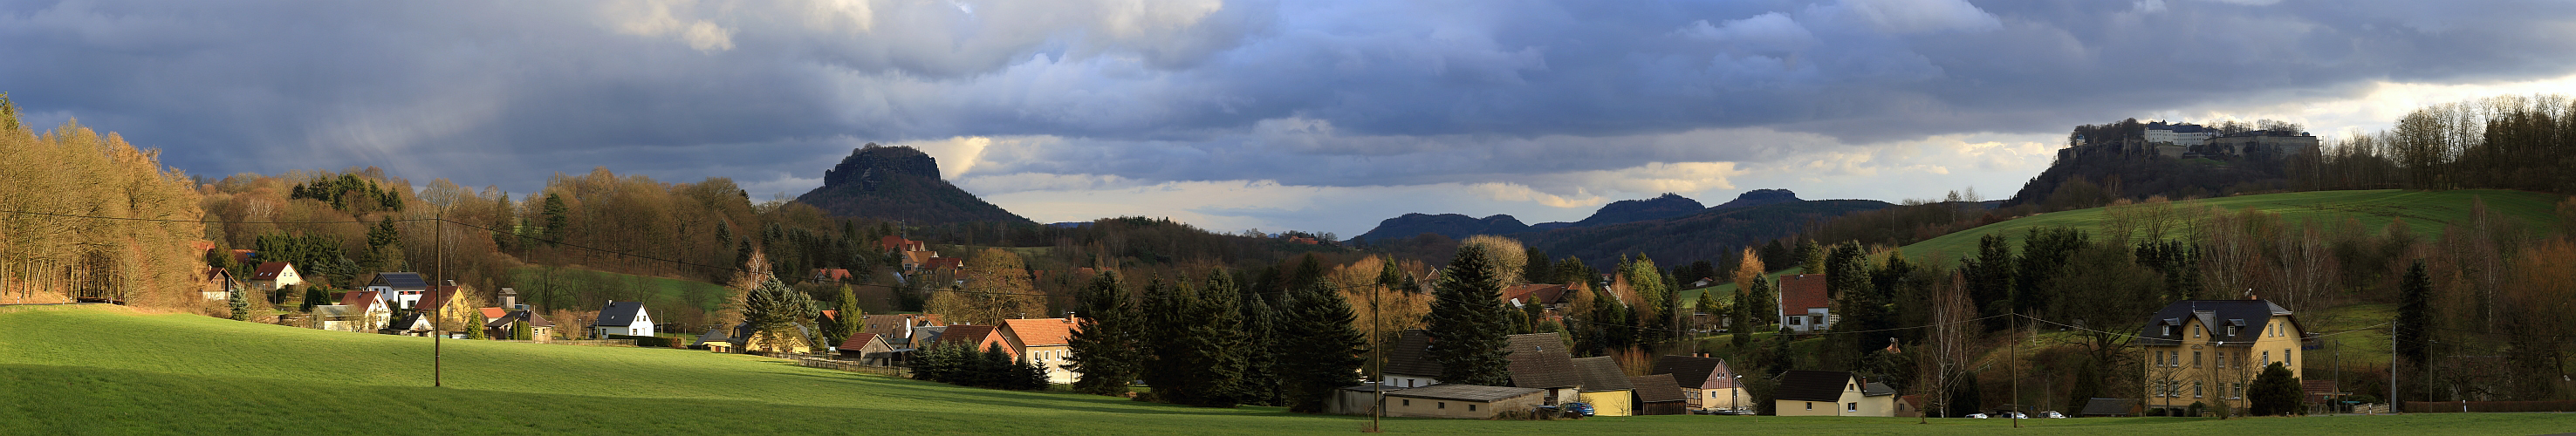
{"x": 2274, "y": 392}
{"x": 650, "y": 341}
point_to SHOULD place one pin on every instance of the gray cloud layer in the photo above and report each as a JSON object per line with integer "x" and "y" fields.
{"x": 1358, "y": 93}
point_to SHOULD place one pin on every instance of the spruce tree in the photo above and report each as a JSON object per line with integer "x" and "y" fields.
{"x": 2415, "y": 316}
{"x": 777, "y": 311}
{"x": 1167, "y": 316}
{"x": 1740, "y": 323}
{"x": 847, "y": 318}
{"x": 1261, "y": 384}
{"x": 1318, "y": 332}
{"x": 313, "y": 296}
{"x": 1104, "y": 348}
{"x": 239, "y": 304}
{"x": 1212, "y": 345}
{"x": 992, "y": 369}
{"x": 1466, "y": 322}
{"x": 475, "y": 330}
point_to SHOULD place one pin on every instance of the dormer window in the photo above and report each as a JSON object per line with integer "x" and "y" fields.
{"x": 2168, "y": 331}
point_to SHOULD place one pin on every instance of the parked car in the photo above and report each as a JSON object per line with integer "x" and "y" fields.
{"x": 2052, "y": 415}
{"x": 1976, "y": 416}
{"x": 2017, "y": 415}
{"x": 1583, "y": 408}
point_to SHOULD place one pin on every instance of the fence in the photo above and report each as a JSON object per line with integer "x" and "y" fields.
{"x": 2490, "y": 406}
{"x": 889, "y": 371}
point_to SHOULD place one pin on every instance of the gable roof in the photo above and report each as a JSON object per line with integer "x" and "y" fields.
{"x": 1535, "y": 293}
{"x": 1658, "y": 388}
{"x": 2214, "y": 315}
{"x": 714, "y": 334}
{"x": 270, "y": 270}
{"x": 1042, "y": 332}
{"x": 359, "y": 301}
{"x": 1811, "y": 385}
{"x": 1875, "y": 389}
{"x": 400, "y": 281}
{"x": 436, "y": 297}
{"x": 213, "y": 273}
{"x": 1800, "y": 292}
{"x": 512, "y": 316}
{"x": 861, "y": 341}
{"x": 619, "y": 313}
{"x": 494, "y": 314}
{"x": 1602, "y": 374}
{"x": 1540, "y": 360}
{"x": 895, "y": 328}
{"x": 1463, "y": 392}
{"x": 1411, "y": 355}
{"x": 1696, "y": 372}
{"x": 831, "y": 274}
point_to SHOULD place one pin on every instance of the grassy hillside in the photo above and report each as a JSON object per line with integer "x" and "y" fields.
{"x": 103, "y": 370}
{"x": 2424, "y": 211}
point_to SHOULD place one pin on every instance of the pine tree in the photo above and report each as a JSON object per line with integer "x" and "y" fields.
{"x": 475, "y": 330}
{"x": 1104, "y": 348}
{"x": 239, "y": 304}
{"x": 992, "y": 369}
{"x": 1166, "y": 323}
{"x": 778, "y": 312}
{"x": 1213, "y": 344}
{"x": 505, "y": 224}
{"x": 847, "y": 318}
{"x": 1328, "y": 349}
{"x": 1261, "y": 345}
{"x": 2415, "y": 316}
{"x": 1466, "y": 322}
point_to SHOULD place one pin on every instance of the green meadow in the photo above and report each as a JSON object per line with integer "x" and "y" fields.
{"x": 106, "y": 370}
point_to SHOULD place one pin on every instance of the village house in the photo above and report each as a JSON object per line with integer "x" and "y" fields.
{"x": 1659, "y": 395}
{"x": 1831, "y": 393}
{"x": 896, "y": 329}
{"x": 1460, "y": 401}
{"x": 1606, "y": 386}
{"x": 503, "y": 323}
{"x": 1706, "y": 382}
{"x": 897, "y": 244}
{"x": 799, "y": 341}
{"x": 2206, "y": 351}
{"x": 716, "y": 339}
{"x": 402, "y": 288}
{"x": 1046, "y": 341}
{"x": 359, "y": 311}
{"x": 1541, "y": 361}
{"x": 409, "y": 324}
{"x": 217, "y": 284}
{"x": 272, "y": 276}
{"x": 622, "y": 318}
{"x": 1408, "y": 361}
{"x": 449, "y": 308}
{"x": 831, "y": 275}
{"x": 869, "y": 349}
{"x": 978, "y": 336}
{"x": 1804, "y": 305}
{"x": 1547, "y": 296}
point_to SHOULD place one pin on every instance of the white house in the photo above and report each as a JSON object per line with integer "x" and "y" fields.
{"x": 274, "y": 275}
{"x": 1804, "y": 305}
{"x": 402, "y": 289}
{"x": 358, "y": 311}
{"x": 626, "y": 318}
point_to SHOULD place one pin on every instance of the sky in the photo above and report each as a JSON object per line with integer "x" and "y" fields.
{"x": 1315, "y": 115}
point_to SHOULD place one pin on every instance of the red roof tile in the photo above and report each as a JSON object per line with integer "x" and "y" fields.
{"x": 1041, "y": 332}
{"x": 1801, "y": 292}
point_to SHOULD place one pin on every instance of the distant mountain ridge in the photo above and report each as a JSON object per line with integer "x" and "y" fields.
{"x": 899, "y": 183}
{"x": 1447, "y": 224}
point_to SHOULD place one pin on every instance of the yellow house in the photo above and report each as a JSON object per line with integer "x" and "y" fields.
{"x": 1046, "y": 341}
{"x": 1606, "y": 387}
{"x": 1706, "y": 382}
{"x": 1831, "y": 393}
{"x": 2206, "y": 351}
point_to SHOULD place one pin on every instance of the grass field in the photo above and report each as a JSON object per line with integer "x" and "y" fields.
{"x": 77, "y": 370}
{"x": 2424, "y": 211}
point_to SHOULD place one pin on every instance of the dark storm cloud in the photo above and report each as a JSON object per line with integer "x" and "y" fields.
{"x": 1304, "y": 92}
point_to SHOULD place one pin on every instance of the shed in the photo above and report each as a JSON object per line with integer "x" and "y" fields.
{"x": 1606, "y": 386}
{"x": 1460, "y": 401}
{"x": 1658, "y": 395}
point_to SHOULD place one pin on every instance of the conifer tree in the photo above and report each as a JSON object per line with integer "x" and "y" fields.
{"x": 1318, "y": 331}
{"x": 2415, "y": 316}
{"x": 522, "y": 331}
{"x": 475, "y": 330}
{"x": 1166, "y": 321}
{"x": 313, "y": 296}
{"x": 1466, "y": 322}
{"x": 1261, "y": 346}
{"x": 239, "y": 304}
{"x": 992, "y": 369}
{"x": 1104, "y": 348}
{"x": 777, "y": 311}
{"x": 1213, "y": 344}
{"x": 846, "y": 318}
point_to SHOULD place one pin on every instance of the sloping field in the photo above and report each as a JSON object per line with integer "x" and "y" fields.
{"x": 77, "y": 370}
{"x": 2424, "y": 211}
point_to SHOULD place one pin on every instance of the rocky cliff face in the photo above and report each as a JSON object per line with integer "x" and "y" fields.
{"x": 898, "y": 183}
{"x": 872, "y": 163}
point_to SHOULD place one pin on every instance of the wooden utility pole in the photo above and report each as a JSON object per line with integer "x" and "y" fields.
{"x": 437, "y": 326}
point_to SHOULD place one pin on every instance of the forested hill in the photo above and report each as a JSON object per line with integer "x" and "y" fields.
{"x": 1447, "y": 224}
{"x": 1712, "y": 234}
{"x": 902, "y": 184}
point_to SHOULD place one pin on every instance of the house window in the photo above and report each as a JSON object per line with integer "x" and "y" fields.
{"x": 1811, "y": 405}
{"x": 2285, "y": 358}
{"x": 1471, "y": 407}
{"x": 2222, "y": 359}
{"x": 1851, "y": 407}
{"x": 2168, "y": 330}
{"x": 2195, "y": 389}
{"x": 2195, "y": 332}
{"x": 1408, "y": 402}
{"x": 2195, "y": 359}
{"x": 1440, "y": 405}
